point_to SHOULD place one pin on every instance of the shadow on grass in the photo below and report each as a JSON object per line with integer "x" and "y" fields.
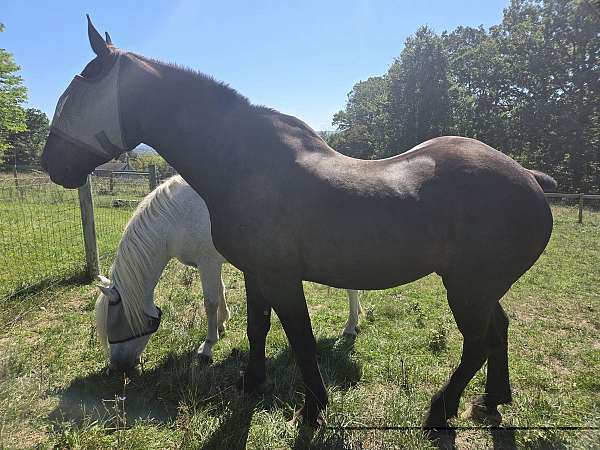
{"x": 17, "y": 303}
{"x": 158, "y": 395}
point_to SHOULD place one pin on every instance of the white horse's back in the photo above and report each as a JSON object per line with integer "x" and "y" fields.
{"x": 189, "y": 239}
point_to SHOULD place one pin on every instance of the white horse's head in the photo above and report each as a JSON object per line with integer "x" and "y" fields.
{"x": 122, "y": 330}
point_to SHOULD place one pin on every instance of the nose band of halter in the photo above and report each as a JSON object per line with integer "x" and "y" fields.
{"x": 152, "y": 324}
{"x": 88, "y": 114}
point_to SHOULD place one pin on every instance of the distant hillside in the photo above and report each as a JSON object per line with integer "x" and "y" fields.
{"x": 144, "y": 149}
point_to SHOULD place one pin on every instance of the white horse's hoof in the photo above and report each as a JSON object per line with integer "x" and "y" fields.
{"x": 204, "y": 352}
{"x": 351, "y": 331}
{"x": 205, "y": 359}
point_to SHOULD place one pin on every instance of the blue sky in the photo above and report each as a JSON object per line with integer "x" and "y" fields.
{"x": 300, "y": 57}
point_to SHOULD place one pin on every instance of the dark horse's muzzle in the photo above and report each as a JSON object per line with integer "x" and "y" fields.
{"x": 67, "y": 163}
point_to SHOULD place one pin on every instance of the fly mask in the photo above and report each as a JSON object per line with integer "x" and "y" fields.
{"x": 118, "y": 329}
{"x": 88, "y": 113}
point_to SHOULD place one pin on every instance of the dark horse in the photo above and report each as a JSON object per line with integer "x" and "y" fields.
{"x": 285, "y": 207}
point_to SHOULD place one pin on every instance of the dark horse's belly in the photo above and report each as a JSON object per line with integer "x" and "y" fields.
{"x": 375, "y": 250}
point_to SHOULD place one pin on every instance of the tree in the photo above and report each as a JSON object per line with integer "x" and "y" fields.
{"x": 142, "y": 162}
{"x": 364, "y": 124}
{"x": 12, "y": 95}
{"x": 529, "y": 86}
{"x": 418, "y": 83}
{"x": 553, "y": 54}
{"x": 478, "y": 85}
{"x": 26, "y": 146}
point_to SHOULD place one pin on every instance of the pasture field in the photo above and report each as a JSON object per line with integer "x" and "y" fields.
{"x": 55, "y": 391}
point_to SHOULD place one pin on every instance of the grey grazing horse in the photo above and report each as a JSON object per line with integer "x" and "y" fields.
{"x": 285, "y": 207}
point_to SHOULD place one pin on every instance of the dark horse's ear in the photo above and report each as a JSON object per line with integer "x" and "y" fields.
{"x": 98, "y": 45}
{"x": 108, "y": 39}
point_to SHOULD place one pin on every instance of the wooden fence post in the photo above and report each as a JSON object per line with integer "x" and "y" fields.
{"x": 580, "y": 208}
{"x": 17, "y": 186}
{"x": 111, "y": 183}
{"x": 86, "y": 205}
{"x": 152, "y": 177}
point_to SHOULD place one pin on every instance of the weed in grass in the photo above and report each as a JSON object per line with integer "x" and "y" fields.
{"x": 437, "y": 341}
{"x": 420, "y": 317}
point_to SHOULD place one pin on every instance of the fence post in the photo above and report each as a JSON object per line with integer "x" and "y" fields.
{"x": 152, "y": 177}
{"x": 86, "y": 205}
{"x": 17, "y": 187}
{"x": 580, "y": 207}
{"x": 111, "y": 183}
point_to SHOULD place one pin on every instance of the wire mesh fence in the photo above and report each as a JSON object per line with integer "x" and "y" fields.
{"x": 40, "y": 233}
{"x": 115, "y": 198}
{"x": 583, "y": 210}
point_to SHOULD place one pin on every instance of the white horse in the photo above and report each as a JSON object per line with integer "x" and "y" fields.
{"x": 170, "y": 222}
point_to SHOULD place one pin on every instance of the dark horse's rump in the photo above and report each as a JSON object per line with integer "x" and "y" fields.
{"x": 285, "y": 207}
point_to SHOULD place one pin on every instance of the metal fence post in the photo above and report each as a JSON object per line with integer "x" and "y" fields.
{"x": 86, "y": 205}
{"x": 152, "y": 177}
{"x": 580, "y": 207}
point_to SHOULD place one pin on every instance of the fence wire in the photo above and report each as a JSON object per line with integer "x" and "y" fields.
{"x": 115, "y": 199}
{"x": 590, "y": 214}
{"x": 40, "y": 234}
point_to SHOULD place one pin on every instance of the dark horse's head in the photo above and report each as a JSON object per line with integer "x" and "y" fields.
{"x": 86, "y": 130}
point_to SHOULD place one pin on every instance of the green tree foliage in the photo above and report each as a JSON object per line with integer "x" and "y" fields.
{"x": 418, "y": 88}
{"x": 529, "y": 86}
{"x": 12, "y": 95}
{"x": 26, "y": 146}
{"x": 142, "y": 162}
{"x": 365, "y": 122}
{"x": 554, "y": 50}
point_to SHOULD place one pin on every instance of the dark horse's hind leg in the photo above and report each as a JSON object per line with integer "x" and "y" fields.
{"x": 472, "y": 310}
{"x": 484, "y": 408}
{"x": 259, "y": 323}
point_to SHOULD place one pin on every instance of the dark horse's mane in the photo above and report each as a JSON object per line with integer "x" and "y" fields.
{"x": 220, "y": 91}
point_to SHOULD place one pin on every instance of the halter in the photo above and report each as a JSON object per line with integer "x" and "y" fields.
{"x": 153, "y": 321}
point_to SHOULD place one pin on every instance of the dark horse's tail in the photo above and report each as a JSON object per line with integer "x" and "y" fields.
{"x": 546, "y": 182}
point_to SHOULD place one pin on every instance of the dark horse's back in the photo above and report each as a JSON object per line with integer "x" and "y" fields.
{"x": 451, "y": 205}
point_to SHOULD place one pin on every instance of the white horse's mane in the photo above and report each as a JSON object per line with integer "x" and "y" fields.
{"x": 137, "y": 251}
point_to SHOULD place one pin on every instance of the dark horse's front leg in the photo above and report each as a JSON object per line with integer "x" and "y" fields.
{"x": 287, "y": 299}
{"x": 259, "y": 323}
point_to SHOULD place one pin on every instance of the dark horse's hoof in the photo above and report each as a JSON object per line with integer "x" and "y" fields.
{"x": 307, "y": 419}
{"x": 442, "y": 438}
{"x": 249, "y": 383}
{"x": 482, "y": 413}
{"x": 437, "y": 430}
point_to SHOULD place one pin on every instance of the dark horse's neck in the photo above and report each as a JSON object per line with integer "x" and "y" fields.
{"x": 209, "y": 132}
{"x": 184, "y": 115}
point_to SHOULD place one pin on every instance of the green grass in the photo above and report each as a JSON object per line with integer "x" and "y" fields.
{"x": 55, "y": 392}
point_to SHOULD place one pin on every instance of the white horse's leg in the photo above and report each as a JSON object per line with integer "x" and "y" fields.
{"x": 223, "y": 314}
{"x": 212, "y": 286}
{"x": 354, "y": 310}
